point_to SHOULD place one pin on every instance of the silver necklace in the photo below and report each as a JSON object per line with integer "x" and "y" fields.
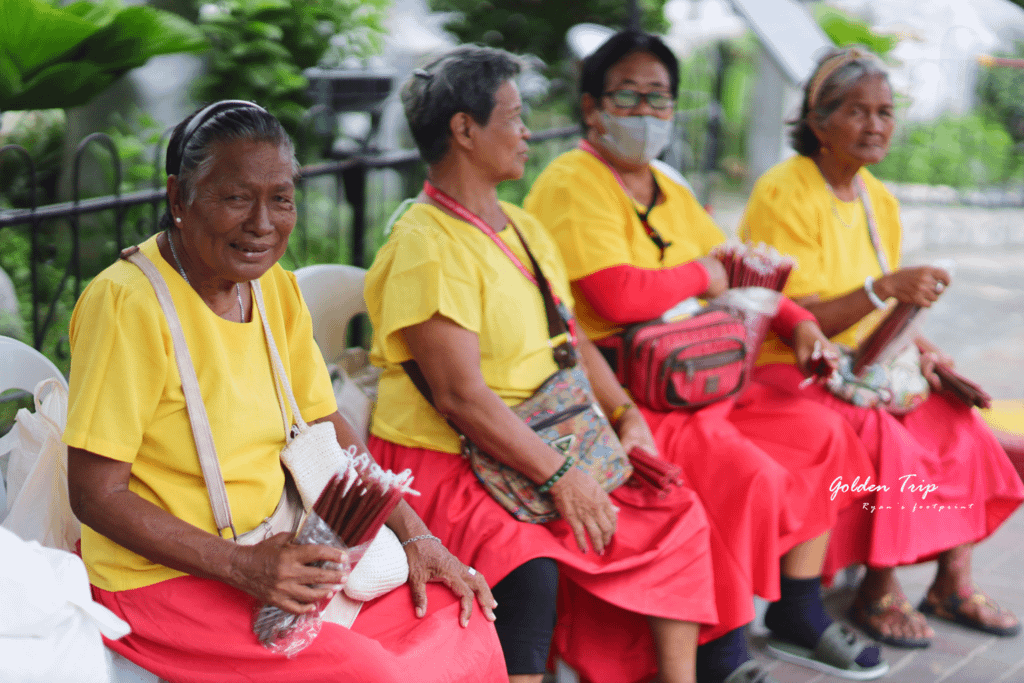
{"x": 177, "y": 262}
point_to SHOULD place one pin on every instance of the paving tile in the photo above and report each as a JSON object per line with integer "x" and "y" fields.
{"x": 791, "y": 673}
{"x": 978, "y": 670}
{"x": 923, "y": 667}
{"x": 1006, "y": 650}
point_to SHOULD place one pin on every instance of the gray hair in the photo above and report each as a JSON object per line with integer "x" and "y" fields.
{"x": 837, "y": 73}
{"x": 462, "y": 81}
{"x": 192, "y": 161}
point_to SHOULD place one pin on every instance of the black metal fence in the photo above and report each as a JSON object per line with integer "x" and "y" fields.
{"x": 69, "y": 242}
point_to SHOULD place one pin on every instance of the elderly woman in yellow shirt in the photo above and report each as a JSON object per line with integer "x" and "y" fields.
{"x": 824, "y": 208}
{"x": 454, "y": 290}
{"x": 149, "y": 537}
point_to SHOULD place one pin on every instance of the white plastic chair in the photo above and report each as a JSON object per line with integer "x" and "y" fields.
{"x": 334, "y": 295}
{"x": 21, "y": 367}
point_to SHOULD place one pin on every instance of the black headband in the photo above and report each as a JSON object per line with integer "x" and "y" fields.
{"x": 176, "y": 153}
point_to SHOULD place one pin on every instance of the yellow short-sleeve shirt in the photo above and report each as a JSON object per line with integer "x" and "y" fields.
{"x": 434, "y": 263}
{"x": 793, "y": 209}
{"x": 596, "y": 226}
{"x": 126, "y": 401}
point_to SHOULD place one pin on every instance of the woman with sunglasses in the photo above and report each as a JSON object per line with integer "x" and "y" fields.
{"x": 635, "y": 242}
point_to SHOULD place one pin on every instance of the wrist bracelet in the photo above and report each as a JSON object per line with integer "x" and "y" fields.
{"x": 869, "y": 288}
{"x": 546, "y": 486}
{"x": 421, "y": 537}
{"x": 618, "y": 413}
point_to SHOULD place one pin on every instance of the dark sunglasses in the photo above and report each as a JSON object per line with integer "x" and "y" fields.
{"x": 627, "y": 99}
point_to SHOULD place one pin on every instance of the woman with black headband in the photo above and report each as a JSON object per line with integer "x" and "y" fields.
{"x": 149, "y": 536}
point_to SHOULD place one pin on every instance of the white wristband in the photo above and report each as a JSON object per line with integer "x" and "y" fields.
{"x": 869, "y": 289}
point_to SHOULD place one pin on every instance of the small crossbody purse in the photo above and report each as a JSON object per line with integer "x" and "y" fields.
{"x": 563, "y": 411}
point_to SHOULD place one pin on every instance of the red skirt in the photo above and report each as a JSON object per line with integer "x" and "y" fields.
{"x": 192, "y": 630}
{"x": 762, "y": 465}
{"x": 942, "y": 479}
{"x": 656, "y": 565}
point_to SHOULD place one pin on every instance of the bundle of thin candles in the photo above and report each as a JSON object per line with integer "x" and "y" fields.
{"x": 891, "y": 330}
{"x": 356, "y": 504}
{"x": 754, "y": 265}
{"x": 659, "y": 473}
{"x": 347, "y": 514}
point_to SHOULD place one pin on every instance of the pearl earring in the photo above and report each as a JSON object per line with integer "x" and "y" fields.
{"x": 178, "y": 219}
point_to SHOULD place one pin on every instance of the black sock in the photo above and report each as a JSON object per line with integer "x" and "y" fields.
{"x": 799, "y": 616}
{"x": 718, "y": 658}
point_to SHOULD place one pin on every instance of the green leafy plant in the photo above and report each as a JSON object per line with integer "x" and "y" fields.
{"x": 539, "y": 28}
{"x": 1000, "y": 92}
{"x": 959, "y": 151}
{"x": 60, "y": 57}
{"x": 259, "y": 48}
{"x": 845, "y": 29}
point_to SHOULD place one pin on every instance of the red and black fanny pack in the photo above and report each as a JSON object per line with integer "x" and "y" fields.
{"x": 688, "y": 363}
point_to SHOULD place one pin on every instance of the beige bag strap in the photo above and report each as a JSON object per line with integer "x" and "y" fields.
{"x": 201, "y": 432}
{"x": 284, "y": 386}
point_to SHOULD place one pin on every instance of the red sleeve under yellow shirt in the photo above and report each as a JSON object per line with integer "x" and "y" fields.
{"x": 595, "y": 224}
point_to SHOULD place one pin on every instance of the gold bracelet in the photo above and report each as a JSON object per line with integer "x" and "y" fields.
{"x": 619, "y": 412}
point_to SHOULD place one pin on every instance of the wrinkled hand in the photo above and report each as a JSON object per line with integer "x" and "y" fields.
{"x": 718, "y": 279}
{"x": 815, "y": 354}
{"x": 921, "y": 285}
{"x": 634, "y": 433}
{"x": 277, "y": 572}
{"x": 431, "y": 561}
{"x": 586, "y": 507}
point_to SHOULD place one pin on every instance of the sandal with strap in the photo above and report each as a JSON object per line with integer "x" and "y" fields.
{"x": 890, "y": 602}
{"x": 835, "y": 654}
{"x": 749, "y": 672}
{"x": 951, "y": 609}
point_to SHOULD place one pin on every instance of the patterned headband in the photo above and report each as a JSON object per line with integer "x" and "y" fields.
{"x": 828, "y": 68}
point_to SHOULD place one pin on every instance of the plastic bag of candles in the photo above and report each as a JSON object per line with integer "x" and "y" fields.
{"x": 755, "y": 307}
{"x": 348, "y": 514}
{"x": 754, "y": 265}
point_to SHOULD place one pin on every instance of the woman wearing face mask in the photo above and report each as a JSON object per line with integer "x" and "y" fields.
{"x": 636, "y": 242}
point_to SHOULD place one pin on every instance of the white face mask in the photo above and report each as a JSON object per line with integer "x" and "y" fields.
{"x": 635, "y": 138}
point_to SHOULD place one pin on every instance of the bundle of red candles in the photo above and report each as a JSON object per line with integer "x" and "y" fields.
{"x": 648, "y": 469}
{"x": 893, "y": 326}
{"x": 355, "y": 505}
{"x": 754, "y": 265}
{"x": 347, "y": 514}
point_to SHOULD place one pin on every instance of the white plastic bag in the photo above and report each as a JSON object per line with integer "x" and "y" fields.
{"x": 49, "y": 625}
{"x": 38, "y": 508}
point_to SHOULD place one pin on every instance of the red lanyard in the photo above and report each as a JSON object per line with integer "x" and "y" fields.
{"x": 653, "y": 234}
{"x": 465, "y": 214}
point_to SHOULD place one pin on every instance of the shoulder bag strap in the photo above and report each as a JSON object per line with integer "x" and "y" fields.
{"x": 283, "y": 386}
{"x": 201, "y": 432}
{"x": 869, "y": 215}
